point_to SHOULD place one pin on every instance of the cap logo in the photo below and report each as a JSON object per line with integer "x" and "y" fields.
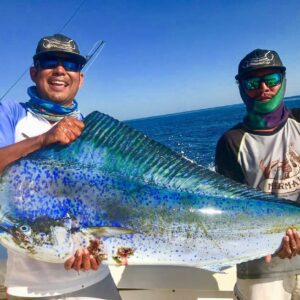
{"x": 267, "y": 59}
{"x": 56, "y": 44}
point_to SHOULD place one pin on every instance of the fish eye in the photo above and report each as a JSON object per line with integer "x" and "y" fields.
{"x": 25, "y": 229}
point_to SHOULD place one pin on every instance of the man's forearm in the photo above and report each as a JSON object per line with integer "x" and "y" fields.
{"x": 13, "y": 152}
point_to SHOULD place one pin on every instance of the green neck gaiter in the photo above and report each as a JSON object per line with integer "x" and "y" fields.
{"x": 272, "y": 104}
{"x": 265, "y": 115}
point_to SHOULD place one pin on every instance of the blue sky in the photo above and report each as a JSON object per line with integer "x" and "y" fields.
{"x": 160, "y": 57}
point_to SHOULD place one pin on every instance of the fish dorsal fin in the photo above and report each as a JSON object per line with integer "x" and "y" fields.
{"x": 115, "y": 147}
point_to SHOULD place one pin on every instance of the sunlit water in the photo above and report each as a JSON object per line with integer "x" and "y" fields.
{"x": 195, "y": 134}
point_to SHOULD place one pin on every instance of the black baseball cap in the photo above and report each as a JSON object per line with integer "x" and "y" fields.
{"x": 58, "y": 44}
{"x": 259, "y": 59}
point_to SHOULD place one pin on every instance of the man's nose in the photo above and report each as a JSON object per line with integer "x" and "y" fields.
{"x": 263, "y": 86}
{"x": 59, "y": 69}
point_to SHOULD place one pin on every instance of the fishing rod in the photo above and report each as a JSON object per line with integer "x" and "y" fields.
{"x": 14, "y": 84}
{"x": 72, "y": 16}
{"x": 93, "y": 54}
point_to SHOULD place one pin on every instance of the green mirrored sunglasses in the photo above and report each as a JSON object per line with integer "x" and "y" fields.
{"x": 253, "y": 83}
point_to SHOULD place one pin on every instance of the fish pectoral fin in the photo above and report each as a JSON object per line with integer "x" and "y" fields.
{"x": 108, "y": 231}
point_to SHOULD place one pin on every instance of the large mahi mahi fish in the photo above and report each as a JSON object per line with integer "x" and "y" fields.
{"x": 146, "y": 204}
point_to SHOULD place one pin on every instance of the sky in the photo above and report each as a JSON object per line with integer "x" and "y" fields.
{"x": 160, "y": 56}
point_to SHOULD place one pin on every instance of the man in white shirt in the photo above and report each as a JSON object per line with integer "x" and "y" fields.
{"x": 50, "y": 116}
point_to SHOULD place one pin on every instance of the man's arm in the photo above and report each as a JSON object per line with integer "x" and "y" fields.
{"x": 226, "y": 160}
{"x": 64, "y": 132}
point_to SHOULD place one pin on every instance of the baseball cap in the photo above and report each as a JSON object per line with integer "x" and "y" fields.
{"x": 58, "y": 44}
{"x": 259, "y": 59}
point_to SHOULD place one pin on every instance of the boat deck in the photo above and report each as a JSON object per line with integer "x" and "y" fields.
{"x": 176, "y": 283}
{"x": 163, "y": 282}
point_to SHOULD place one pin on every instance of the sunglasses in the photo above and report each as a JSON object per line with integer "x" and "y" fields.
{"x": 253, "y": 83}
{"x": 52, "y": 63}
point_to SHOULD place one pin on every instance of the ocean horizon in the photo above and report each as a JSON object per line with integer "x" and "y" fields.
{"x": 195, "y": 133}
{"x": 289, "y": 98}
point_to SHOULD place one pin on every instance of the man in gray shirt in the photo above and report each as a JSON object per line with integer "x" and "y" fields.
{"x": 263, "y": 151}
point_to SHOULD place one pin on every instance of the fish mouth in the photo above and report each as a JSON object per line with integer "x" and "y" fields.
{"x": 21, "y": 235}
{"x": 15, "y": 240}
{"x": 55, "y": 246}
{"x": 8, "y": 228}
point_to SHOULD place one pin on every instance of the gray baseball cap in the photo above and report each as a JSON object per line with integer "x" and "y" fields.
{"x": 58, "y": 44}
{"x": 259, "y": 59}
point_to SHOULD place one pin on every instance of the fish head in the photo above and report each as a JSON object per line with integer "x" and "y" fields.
{"x": 43, "y": 239}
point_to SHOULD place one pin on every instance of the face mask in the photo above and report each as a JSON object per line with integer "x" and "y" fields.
{"x": 265, "y": 115}
{"x": 256, "y": 106}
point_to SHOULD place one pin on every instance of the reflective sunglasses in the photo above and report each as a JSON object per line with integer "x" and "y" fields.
{"x": 253, "y": 83}
{"x": 52, "y": 63}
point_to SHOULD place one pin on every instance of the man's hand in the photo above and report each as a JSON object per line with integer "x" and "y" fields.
{"x": 82, "y": 260}
{"x": 290, "y": 246}
{"x": 64, "y": 132}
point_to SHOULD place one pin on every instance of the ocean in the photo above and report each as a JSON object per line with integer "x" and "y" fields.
{"x": 195, "y": 134}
